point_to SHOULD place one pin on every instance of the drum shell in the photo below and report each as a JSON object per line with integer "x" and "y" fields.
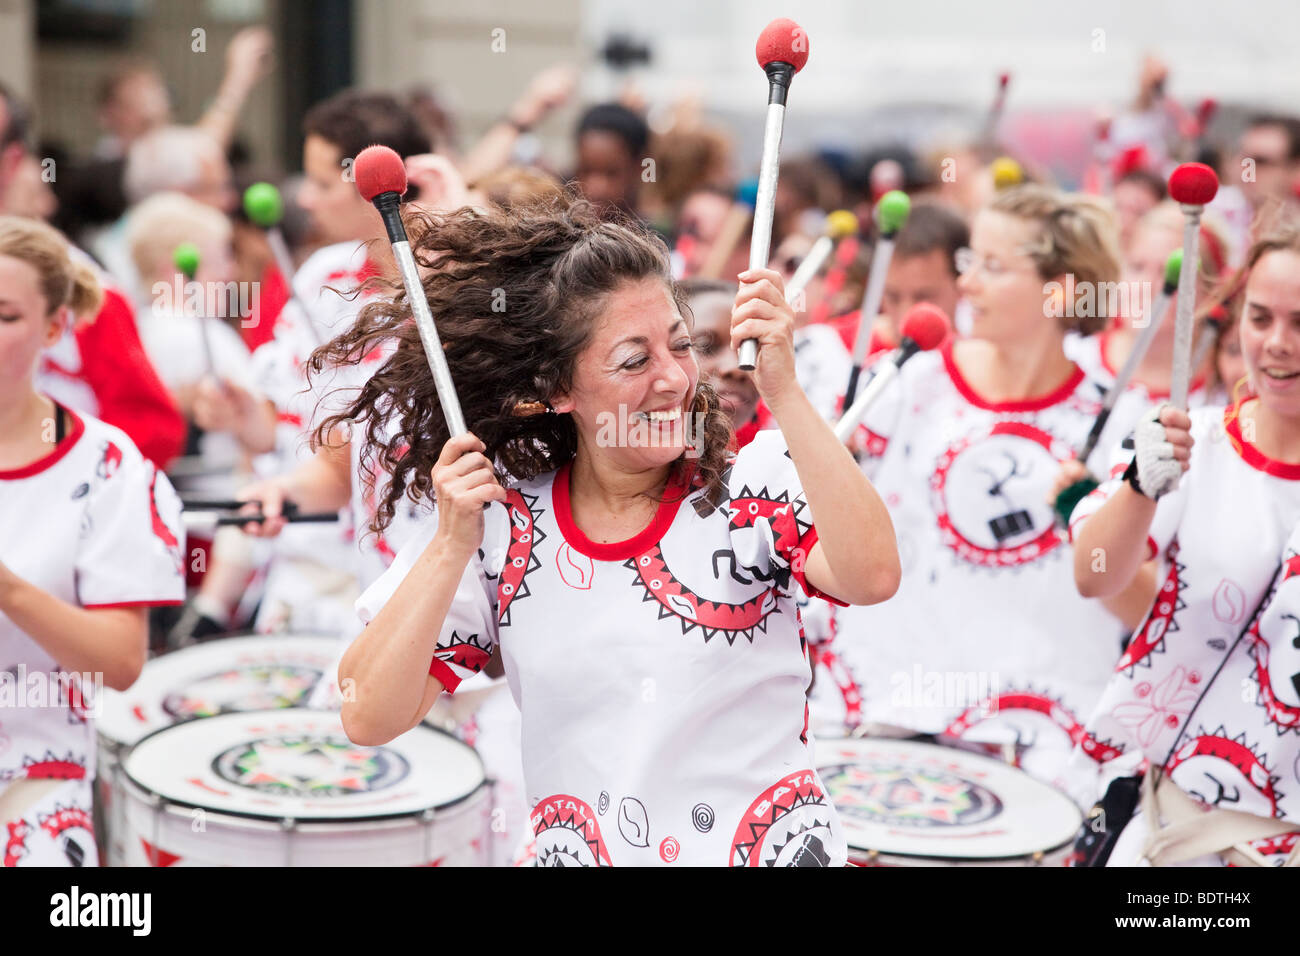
{"x": 306, "y": 649}
{"x": 454, "y": 835}
{"x": 1025, "y": 822}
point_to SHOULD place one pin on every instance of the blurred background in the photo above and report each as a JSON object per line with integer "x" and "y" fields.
{"x": 879, "y": 73}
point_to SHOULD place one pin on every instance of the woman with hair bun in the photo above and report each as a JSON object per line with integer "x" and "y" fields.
{"x": 987, "y": 644}
{"x": 1204, "y": 704}
{"x": 639, "y": 580}
{"x": 90, "y": 537}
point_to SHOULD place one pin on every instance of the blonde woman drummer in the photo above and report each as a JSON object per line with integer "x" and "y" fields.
{"x": 987, "y": 644}
{"x": 90, "y": 537}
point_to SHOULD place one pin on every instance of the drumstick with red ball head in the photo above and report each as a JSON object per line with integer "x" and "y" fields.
{"x": 782, "y": 51}
{"x": 1191, "y": 185}
{"x": 381, "y": 179}
{"x": 924, "y": 327}
{"x": 891, "y": 213}
{"x": 264, "y": 207}
{"x": 839, "y": 224}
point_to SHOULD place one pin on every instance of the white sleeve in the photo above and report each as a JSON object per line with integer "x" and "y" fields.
{"x": 469, "y": 634}
{"x": 771, "y": 522}
{"x": 132, "y": 548}
{"x": 1169, "y": 509}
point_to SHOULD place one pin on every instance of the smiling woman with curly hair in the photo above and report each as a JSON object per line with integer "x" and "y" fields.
{"x": 640, "y": 584}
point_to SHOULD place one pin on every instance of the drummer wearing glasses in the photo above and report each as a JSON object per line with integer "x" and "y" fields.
{"x": 639, "y": 581}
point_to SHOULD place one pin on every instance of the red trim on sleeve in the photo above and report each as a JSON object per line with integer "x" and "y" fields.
{"x": 444, "y": 674}
{"x": 674, "y": 495}
{"x": 1152, "y": 548}
{"x": 54, "y": 457}
{"x": 805, "y": 545}
{"x": 1036, "y": 404}
{"x": 142, "y": 603}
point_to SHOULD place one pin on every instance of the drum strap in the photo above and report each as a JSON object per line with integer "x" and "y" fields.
{"x": 1181, "y": 828}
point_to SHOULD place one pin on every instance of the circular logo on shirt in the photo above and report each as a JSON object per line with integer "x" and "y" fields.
{"x": 565, "y": 833}
{"x": 1220, "y": 770}
{"x": 1274, "y": 643}
{"x": 788, "y": 824}
{"x": 1035, "y": 718}
{"x": 72, "y": 831}
{"x": 310, "y": 766}
{"x": 990, "y": 495}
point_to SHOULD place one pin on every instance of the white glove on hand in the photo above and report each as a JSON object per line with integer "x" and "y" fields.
{"x": 1158, "y": 470}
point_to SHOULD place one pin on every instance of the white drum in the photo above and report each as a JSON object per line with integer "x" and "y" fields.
{"x": 287, "y": 788}
{"x": 256, "y": 672}
{"x": 906, "y": 803}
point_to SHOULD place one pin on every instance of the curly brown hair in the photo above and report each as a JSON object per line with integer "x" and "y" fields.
{"x": 515, "y": 297}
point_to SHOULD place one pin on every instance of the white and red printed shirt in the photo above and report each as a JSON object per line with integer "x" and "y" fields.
{"x": 1090, "y": 353}
{"x": 1208, "y": 688}
{"x": 987, "y": 639}
{"x": 96, "y": 525}
{"x": 661, "y": 680}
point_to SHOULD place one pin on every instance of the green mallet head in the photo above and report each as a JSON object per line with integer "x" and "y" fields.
{"x": 263, "y": 205}
{"x": 1173, "y": 266}
{"x": 186, "y": 258}
{"x": 892, "y": 210}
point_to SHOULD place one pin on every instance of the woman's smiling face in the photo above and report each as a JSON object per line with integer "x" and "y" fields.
{"x": 634, "y": 383}
{"x": 1270, "y": 331}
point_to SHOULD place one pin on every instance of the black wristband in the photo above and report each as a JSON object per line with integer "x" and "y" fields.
{"x": 1131, "y": 476}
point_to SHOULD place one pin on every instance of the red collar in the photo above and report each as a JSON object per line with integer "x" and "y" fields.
{"x": 1252, "y": 455}
{"x": 1060, "y": 394}
{"x": 674, "y": 495}
{"x": 54, "y": 457}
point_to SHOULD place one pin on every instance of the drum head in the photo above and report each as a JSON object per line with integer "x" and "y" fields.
{"x": 254, "y": 672}
{"x": 299, "y": 764}
{"x": 914, "y": 799}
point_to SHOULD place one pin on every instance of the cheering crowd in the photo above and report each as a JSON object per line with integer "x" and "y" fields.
{"x": 772, "y": 583}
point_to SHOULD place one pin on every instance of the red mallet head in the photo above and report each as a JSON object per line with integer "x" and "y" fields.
{"x": 926, "y": 325}
{"x": 1003, "y": 80}
{"x": 1193, "y": 184}
{"x": 378, "y": 170}
{"x": 782, "y": 41}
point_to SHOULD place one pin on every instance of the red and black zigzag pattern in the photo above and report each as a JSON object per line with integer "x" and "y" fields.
{"x": 787, "y": 519}
{"x": 464, "y": 652}
{"x": 521, "y": 558}
{"x": 1160, "y": 622}
{"x": 712, "y": 617}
